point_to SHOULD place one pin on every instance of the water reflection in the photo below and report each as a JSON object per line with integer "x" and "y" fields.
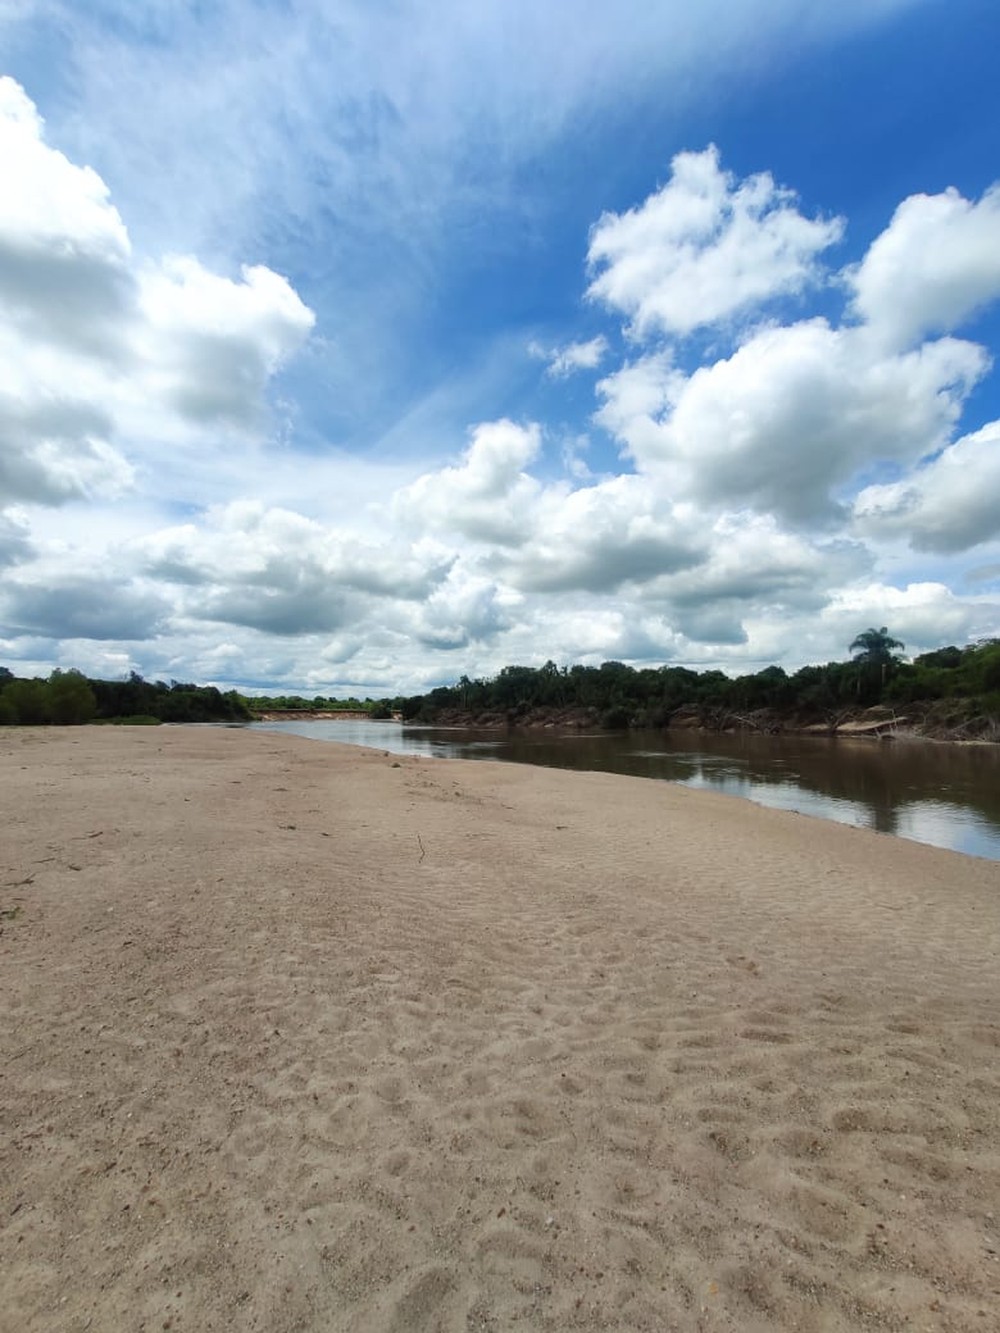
{"x": 947, "y": 795}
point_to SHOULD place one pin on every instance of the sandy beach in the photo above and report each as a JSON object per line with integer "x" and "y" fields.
{"x": 299, "y": 1036}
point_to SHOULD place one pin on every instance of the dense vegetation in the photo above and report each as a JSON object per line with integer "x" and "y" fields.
{"x": 70, "y": 697}
{"x": 296, "y": 703}
{"x": 959, "y": 686}
{"x": 954, "y": 689}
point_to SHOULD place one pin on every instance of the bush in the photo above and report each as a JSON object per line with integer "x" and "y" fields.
{"x": 29, "y": 700}
{"x": 71, "y": 699}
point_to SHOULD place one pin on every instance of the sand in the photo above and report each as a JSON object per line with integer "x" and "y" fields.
{"x": 298, "y": 1036}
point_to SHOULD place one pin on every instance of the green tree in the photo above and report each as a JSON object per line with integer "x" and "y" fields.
{"x": 876, "y": 646}
{"x": 71, "y": 698}
{"x": 29, "y": 702}
{"x": 8, "y": 713}
{"x": 875, "y": 651}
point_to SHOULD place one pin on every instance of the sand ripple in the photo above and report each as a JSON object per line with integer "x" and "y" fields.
{"x": 303, "y": 1038}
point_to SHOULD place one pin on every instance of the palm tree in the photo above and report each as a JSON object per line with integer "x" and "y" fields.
{"x": 876, "y": 648}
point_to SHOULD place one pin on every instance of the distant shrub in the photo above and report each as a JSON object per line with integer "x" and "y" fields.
{"x": 29, "y": 701}
{"x": 71, "y": 698}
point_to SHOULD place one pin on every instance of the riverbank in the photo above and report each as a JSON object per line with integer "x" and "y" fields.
{"x": 310, "y": 1037}
{"x": 311, "y": 715}
{"x": 928, "y": 721}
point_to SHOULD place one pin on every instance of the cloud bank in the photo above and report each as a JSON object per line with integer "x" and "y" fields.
{"x": 782, "y": 473}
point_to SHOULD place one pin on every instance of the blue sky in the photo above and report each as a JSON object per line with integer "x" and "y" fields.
{"x": 357, "y": 346}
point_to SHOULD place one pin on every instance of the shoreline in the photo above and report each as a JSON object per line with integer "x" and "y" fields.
{"x": 317, "y": 1038}
{"x": 874, "y": 731}
{"x": 854, "y": 724}
{"x": 938, "y": 793}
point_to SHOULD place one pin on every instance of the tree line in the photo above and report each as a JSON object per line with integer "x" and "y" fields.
{"x": 298, "y": 703}
{"x": 963, "y": 684}
{"x": 617, "y": 695}
{"x": 71, "y": 698}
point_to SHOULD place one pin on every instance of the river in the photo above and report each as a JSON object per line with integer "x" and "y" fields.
{"x": 943, "y": 794}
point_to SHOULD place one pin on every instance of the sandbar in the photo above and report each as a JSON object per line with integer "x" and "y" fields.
{"x": 300, "y": 1036}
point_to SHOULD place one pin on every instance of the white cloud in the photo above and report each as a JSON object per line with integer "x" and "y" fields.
{"x": 549, "y": 538}
{"x": 751, "y": 562}
{"x": 567, "y": 360}
{"x": 466, "y": 609}
{"x": 54, "y": 445}
{"x": 488, "y": 497}
{"x": 750, "y": 574}
{"x": 280, "y": 572}
{"x": 950, "y": 504}
{"x": 599, "y": 537}
{"x": 704, "y": 248}
{"x": 936, "y": 263}
{"x": 792, "y": 415}
{"x": 84, "y": 606}
{"x": 133, "y": 378}
{"x": 104, "y": 358}
{"x": 208, "y": 345}
{"x": 636, "y": 399}
{"x": 583, "y": 632}
{"x": 337, "y": 142}
{"x": 572, "y": 451}
{"x": 16, "y": 545}
{"x": 64, "y": 250}
{"x": 922, "y": 615}
{"x": 57, "y": 204}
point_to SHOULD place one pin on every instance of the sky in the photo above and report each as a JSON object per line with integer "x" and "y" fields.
{"x": 353, "y": 346}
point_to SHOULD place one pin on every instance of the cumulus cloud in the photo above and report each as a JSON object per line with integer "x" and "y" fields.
{"x": 488, "y": 496}
{"x": 936, "y": 263}
{"x": 580, "y": 629}
{"x": 209, "y": 345}
{"x": 64, "y": 250}
{"x": 309, "y": 605}
{"x": 923, "y": 615}
{"x": 752, "y": 571}
{"x": 104, "y": 355}
{"x": 600, "y": 537}
{"x": 81, "y": 606}
{"x": 466, "y": 609}
{"x": 54, "y": 448}
{"x": 15, "y": 541}
{"x": 283, "y": 573}
{"x": 717, "y": 541}
{"x": 703, "y": 248}
{"x": 952, "y": 503}
{"x": 794, "y": 413}
{"x": 752, "y": 562}
{"x": 564, "y": 361}
{"x": 550, "y": 538}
